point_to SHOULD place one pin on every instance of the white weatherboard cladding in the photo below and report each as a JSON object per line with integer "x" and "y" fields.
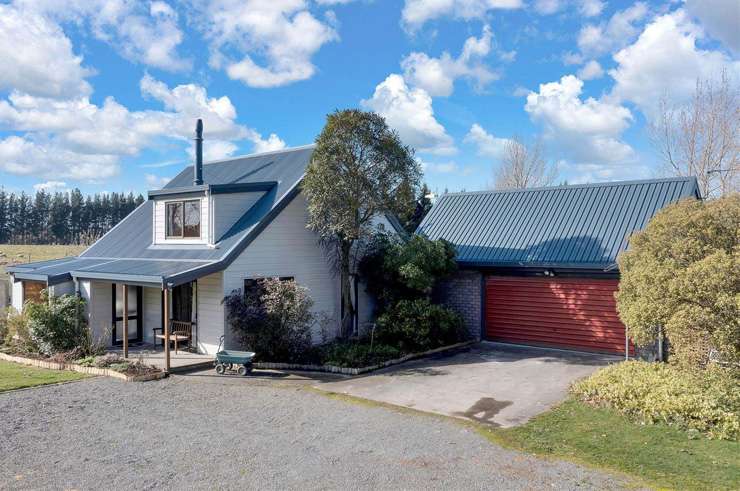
{"x": 287, "y": 248}
{"x": 99, "y": 298}
{"x": 16, "y": 295}
{"x": 211, "y": 322}
{"x": 64, "y": 288}
{"x": 227, "y": 209}
{"x": 152, "y": 313}
{"x": 159, "y": 227}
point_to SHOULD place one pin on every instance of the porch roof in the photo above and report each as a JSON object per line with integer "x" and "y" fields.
{"x": 153, "y": 272}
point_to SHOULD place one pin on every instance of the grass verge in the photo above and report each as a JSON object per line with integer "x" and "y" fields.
{"x": 16, "y": 376}
{"x": 662, "y": 456}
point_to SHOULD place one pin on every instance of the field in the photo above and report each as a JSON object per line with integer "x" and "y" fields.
{"x": 16, "y": 254}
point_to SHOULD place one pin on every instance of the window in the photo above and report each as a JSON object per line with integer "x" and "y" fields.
{"x": 183, "y": 219}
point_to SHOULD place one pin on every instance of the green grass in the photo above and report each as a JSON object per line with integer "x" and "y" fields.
{"x": 16, "y": 376}
{"x": 659, "y": 455}
{"x": 15, "y": 254}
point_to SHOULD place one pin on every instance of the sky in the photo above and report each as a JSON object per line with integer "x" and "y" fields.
{"x": 104, "y": 94}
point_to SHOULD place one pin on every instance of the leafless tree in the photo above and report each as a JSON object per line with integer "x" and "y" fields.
{"x": 523, "y": 166}
{"x": 701, "y": 138}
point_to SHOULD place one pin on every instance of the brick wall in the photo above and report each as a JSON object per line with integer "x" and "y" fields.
{"x": 462, "y": 293}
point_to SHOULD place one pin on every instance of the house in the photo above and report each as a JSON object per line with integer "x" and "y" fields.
{"x": 538, "y": 266}
{"x": 208, "y": 232}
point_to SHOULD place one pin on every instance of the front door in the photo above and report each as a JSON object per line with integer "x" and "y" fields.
{"x": 134, "y": 314}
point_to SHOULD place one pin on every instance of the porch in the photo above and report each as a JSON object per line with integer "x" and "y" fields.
{"x": 150, "y": 354}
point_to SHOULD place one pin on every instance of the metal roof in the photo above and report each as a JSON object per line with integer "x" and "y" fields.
{"x": 268, "y": 181}
{"x": 581, "y": 227}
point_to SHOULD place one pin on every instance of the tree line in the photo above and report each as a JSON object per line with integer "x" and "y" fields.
{"x": 61, "y": 217}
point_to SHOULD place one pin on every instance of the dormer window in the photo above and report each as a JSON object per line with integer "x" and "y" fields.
{"x": 183, "y": 219}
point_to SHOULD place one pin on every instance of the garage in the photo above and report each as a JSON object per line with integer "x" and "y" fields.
{"x": 538, "y": 266}
{"x": 575, "y": 313}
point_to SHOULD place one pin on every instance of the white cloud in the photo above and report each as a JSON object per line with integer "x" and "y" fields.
{"x": 156, "y": 182}
{"x": 417, "y": 12}
{"x": 488, "y": 145}
{"x": 409, "y": 111}
{"x": 143, "y": 32}
{"x": 77, "y": 139}
{"x": 547, "y": 7}
{"x": 270, "y": 144}
{"x": 595, "y": 40}
{"x": 50, "y": 186}
{"x": 591, "y": 8}
{"x": 586, "y": 131}
{"x": 665, "y": 60}
{"x": 37, "y": 57}
{"x": 437, "y": 75}
{"x": 590, "y": 71}
{"x": 720, "y": 19}
{"x": 450, "y": 167}
{"x": 282, "y": 35}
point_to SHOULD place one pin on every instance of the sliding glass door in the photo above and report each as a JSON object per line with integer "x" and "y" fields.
{"x": 133, "y": 314}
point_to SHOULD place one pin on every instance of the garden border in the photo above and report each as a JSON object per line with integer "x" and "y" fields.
{"x": 361, "y": 370}
{"x": 53, "y": 365}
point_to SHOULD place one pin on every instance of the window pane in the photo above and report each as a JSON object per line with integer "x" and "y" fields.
{"x": 192, "y": 219}
{"x": 174, "y": 219}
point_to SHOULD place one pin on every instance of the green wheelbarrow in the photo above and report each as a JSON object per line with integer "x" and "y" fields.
{"x": 228, "y": 359}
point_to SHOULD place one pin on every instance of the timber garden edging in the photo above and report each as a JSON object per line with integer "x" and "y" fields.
{"x": 106, "y": 372}
{"x": 357, "y": 371}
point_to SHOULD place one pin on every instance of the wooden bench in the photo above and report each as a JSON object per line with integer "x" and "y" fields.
{"x": 180, "y": 331}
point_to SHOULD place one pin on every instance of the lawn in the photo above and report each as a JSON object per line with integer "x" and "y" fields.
{"x": 661, "y": 456}
{"x": 15, "y": 254}
{"x": 16, "y": 376}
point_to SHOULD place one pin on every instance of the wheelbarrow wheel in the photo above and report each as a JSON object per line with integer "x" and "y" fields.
{"x": 220, "y": 369}
{"x": 242, "y": 370}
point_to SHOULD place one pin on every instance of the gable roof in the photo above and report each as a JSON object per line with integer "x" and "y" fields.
{"x": 127, "y": 249}
{"x": 580, "y": 227}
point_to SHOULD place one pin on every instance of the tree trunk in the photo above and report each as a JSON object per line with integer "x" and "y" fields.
{"x": 348, "y": 309}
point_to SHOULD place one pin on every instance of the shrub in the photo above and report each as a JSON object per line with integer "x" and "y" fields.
{"x": 701, "y": 400}
{"x": 418, "y": 325}
{"x": 683, "y": 273}
{"x": 17, "y": 336}
{"x": 57, "y": 324}
{"x": 395, "y": 270}
{"x": 274, "y": 320}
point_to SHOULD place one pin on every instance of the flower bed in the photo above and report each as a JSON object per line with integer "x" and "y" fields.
{"x": 130, "y": 373}
{"x": 357, "y": 370}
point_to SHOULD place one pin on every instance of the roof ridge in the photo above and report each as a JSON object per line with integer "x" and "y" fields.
{"x": 257, "y": 154}
{"x": 574, "y": 186}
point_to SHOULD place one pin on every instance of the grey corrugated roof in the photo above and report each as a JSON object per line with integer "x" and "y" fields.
{"x": 582, "y": 226}
{"x": 127, "y": 250}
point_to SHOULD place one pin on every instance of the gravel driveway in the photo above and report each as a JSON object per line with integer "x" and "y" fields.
{"x": 203, "y": 432}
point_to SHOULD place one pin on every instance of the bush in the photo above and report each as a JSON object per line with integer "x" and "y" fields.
{"x": 17, "y": 336}
{"x": 418, "y": 325}
{"x": 394, "y": 270}
{"x": 274, "y": 320}
{"x": 683, "y": 273}
{"x": 58, "y": 325}
{"x": 356, "y": 354}
{"x": 707, "y": 401}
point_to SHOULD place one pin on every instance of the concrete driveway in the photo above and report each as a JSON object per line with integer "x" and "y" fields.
{"x": 489, "y": 383}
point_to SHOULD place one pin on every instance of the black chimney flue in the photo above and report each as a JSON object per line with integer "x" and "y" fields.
{"x": 198, "y": 170}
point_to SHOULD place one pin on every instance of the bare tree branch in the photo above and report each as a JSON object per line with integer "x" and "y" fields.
{"x": 523, "y": 166}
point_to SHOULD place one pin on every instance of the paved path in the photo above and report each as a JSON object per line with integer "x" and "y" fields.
{"x": 201, "y": 431}
{"x": 489, "y": 383}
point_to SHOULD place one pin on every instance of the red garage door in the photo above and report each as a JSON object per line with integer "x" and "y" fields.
{"x": 573, "y": 313}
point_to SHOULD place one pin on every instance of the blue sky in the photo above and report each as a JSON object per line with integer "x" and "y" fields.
{"x": 103, "y": 95}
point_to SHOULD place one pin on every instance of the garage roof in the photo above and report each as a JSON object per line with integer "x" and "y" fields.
{"x": 580, "y": 227}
